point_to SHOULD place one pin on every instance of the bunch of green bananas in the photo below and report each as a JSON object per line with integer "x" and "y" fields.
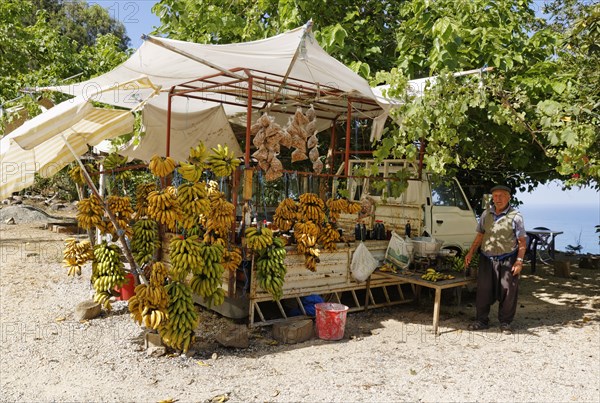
{"x": 258, "y": 238}
{"x": 270, "y": 268}
{"x": 185, "y": 256}
{"x": 207, "y": 279}
{"x": 178, "y": 331}
{"x": 432, "y": 275}
{"x": 222, "y": 162}
{"x": 190, "y": 172}
{"x": 107, "y": 272}
{"x": 145, "y": 240}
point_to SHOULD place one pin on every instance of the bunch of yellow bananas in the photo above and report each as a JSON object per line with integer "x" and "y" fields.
{"x": 185, "y": 256}
{"x": 107, "y": 272}
{"x": 221, "y": 215}
{"x": 190, "y": 172}
{"x": 164, "y": 208}
{"x": 306, "y": 235}
{"x": 90, "y": 212}
{"x": 76, "y": 174}
{"x": 258, "y": 238}
{"x": 178, "y": 331}
{"x": 336, "y": 207}
{"x": 311, "y": 208}
{"x": 232, "y": 259}
{"x": 122, "y": 210}
{"x": 328, "y": 237}
{"x": 285, "y": 214}
{"x": 114, "y": 161}
{"x": 161, "y": 167}
{"x": 432, "y": 275}
{"x": 198, "y": 155}
{"x": 76, "y": 254}
{"x": 194, "y": 203}
{"x": 149, "y": 304}
{"x": 141, "y": 198}
{"x": 222, "y": 162}
{"x": 271, "y": 269}
{"x": 145, "y": 240}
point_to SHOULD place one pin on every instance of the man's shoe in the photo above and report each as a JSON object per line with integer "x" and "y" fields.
{"x": 506, "y": 329}
{"x": 477, "y": 326}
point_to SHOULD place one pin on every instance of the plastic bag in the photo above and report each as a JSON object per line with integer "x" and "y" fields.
{"x": 399, "y": 252}
{"x": 363, "y": 263}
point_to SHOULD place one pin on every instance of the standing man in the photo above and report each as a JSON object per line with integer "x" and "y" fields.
{"x": 501, "y": 235}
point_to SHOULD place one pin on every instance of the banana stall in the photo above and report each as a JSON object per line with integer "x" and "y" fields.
{"x": 249, "y": 201}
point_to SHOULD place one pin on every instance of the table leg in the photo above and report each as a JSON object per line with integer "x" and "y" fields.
{"x": 534, "y": 257}
{"x": 436, "y": 310}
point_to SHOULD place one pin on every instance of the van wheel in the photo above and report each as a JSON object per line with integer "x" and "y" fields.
{"x": 456, "y": 250}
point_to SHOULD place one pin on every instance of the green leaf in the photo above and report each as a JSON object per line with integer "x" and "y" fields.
{"x": 558, "y": 86}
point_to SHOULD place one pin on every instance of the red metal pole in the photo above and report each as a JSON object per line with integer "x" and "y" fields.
{"x": 169, "y": 123}
{"x": 332, "y": 148}
{"x": 348, "y": 130}
{"x": 248, "y": 123}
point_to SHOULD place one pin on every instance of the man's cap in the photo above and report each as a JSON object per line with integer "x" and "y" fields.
{"x": 501, "y": 187}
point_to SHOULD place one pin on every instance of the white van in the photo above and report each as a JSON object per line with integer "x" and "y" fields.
{"x": 438, "y": 209}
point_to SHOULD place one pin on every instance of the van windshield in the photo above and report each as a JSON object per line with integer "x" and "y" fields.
{"x": 447, "y": 193}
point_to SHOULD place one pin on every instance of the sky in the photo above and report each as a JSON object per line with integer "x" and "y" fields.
{"x": 136, "y": 15}
{"x": 138, "y": 19}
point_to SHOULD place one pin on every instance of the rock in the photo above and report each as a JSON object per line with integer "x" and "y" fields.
{"x": 156, "y": 351}
{"x": 58, "y": 206}
{"x": 235, "y": 336}
{"x": 10, "y": 221}
{"x": 152, "y": 340}
{"x": 6, "y": 201}
{"x": 16, "y": 200}
{"x": 293, "y": 332}
{"x": 87, "y": 310}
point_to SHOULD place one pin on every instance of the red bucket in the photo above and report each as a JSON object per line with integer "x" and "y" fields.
{"x": 127, "y": 290}
{"x": 330, "y": 320}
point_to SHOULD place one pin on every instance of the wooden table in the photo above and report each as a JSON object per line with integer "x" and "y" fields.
{"x": 438, "y": 286}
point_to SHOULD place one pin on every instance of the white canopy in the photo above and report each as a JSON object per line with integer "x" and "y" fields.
{"x": 166, "y": 63}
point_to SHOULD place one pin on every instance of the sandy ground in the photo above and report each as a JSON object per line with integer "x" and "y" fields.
{"x": 387, "y": 354}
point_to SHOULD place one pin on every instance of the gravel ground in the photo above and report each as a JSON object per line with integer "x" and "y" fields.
{"x": 387, "y": 354}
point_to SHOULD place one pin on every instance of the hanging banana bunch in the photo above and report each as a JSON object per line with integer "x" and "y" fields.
{"x": 122, "y": 210}
{"x": 164, "y": 208}
{"x": 76, "y": 254}
{"x": 194, "y": 203}
{"x": 219, "y": 222}
{"x": 141, "y": 198}
{"x": 311, "y": 208}
{"x": 149, "y": 304}
{"x": 306, "y": 234}
{"x": 161, "y": 167}
{"x": 270, "y": 268}
{"x": 222, "y": 162}
{"x": 178, "y": 331}
{"x": 232, "y": 259}
{"x": 198, "y": 155}
{"x": 90, "y": 212}
{"x": 328, "y": 237}
{"x": 145, "y": 240}
{"x": 77, "y": 176}
{"x": 114, "y": 161}
{"x": 258, "y": 238}
{"x": 185, "y": 256}
{"x": 190, "y": 172}
{"x": 107, "y": 272}
{"x": 208, "y": 276}
{"x": 286, "y": 214}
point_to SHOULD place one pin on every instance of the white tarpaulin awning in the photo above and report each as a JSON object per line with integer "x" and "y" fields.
{"x": 80, "y": 123}
{"x": 167, "y": 63}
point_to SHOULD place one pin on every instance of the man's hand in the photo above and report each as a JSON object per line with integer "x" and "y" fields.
{"x": 468, "y": 258}
{"x": 517, "y": 267}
